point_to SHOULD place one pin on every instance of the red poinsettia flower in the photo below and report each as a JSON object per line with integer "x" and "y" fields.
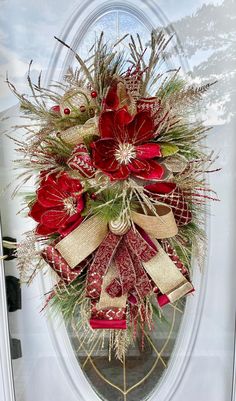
{"x": 58, "y": 206}
{"x": 125, "y": 148}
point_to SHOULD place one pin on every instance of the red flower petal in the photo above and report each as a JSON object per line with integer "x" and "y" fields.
{"x": 106, "y": 165}
{"x": 64, "y": 231}
{"x": 161, "y": 187}
{"x": 47, "y": 178}
{"x": 121, "y": 120}
{"x": 51, "y": 196}
{"x": 55, "y": 218}
{"x": 148, "y": 151}
{"x": 43, "y": 230}
{"x": 141, "y": 128}
{"x": 156, "y": 171}
{"x": 138, "y": 165}
{"x": 103, "y": 155}
{"x": 105, "y": 147}
{"x": 68, "y": 184}
{"x": 106, "y": 124}
{"x": 120, "y": 174}
{"x": 111, "y": 100}
{"x": 37, "y": 211}
{"x": 80, "y": 204}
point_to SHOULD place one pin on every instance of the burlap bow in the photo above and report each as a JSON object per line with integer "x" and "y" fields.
{"x": 122, "y": 262}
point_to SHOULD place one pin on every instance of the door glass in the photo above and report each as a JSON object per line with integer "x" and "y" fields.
{"x": 144, "y": 365}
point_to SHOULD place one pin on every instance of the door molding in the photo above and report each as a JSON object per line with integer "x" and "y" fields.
{"x": 234, "y": 367}
{"x": 7, "y": 392}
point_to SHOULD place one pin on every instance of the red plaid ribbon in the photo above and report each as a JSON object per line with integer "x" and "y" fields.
{"x": 170, "y": 194}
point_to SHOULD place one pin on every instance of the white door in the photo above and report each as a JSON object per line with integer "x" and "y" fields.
{"x": 193, "y": 357}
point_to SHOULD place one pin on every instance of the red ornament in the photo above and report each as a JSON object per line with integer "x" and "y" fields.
{"x": 125, "y": 148}
{"x": 82, "y": 109}
{"x": 94, "y": 94}
{"x": 59, "y": 204}
{"x": 67, "y": 111}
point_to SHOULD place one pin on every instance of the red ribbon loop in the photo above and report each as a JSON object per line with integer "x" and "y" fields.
{"x": 128, "y": 252}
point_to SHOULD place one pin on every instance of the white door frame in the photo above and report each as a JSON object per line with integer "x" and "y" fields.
{"x": 7, "y": 392}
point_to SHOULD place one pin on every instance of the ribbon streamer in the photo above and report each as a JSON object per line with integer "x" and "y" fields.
{"x": 59, "y": 265}
{"x": 167, "y": 276}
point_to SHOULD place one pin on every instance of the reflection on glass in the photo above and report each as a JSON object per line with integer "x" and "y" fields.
{"x": 137, "y": 377}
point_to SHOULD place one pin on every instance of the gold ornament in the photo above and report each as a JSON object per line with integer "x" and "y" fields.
{"x": 119, "y": 226}
{"x": 77, "y": 101}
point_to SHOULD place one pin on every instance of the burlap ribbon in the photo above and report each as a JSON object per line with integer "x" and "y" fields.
{"x": 76, "y": 134}
{"x": 132, "y": 255}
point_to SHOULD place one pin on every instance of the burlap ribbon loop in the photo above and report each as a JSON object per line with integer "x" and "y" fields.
{"x": 81, "y": 242}
{"x": 161, "y": 226}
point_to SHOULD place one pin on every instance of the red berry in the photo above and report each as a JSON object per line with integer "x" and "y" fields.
{"x": 67, "y": 111}
{"x": 94, "y": 94}
{"x": 93, "y": 196}
{"x": 56, "y": 109}
{"x": 82, "y": 109}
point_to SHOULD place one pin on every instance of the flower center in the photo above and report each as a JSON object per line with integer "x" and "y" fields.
{"x": 125, "y": 153}
{"x": 70, "y": 205}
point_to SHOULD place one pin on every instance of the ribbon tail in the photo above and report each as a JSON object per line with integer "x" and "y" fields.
{"x": 100, "y": 264}
{"x": 125, "y": 268}
{"x": 59, "y": 265}
{"x": 143, "y": 285}
{"x": 167, "y": 276}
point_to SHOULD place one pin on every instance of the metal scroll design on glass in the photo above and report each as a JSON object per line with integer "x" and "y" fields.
{"x": 143, "y": 365}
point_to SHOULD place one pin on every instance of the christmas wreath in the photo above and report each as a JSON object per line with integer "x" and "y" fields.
{"x": 119, "y": 161}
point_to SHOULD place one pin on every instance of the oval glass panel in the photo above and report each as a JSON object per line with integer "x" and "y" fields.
{"x": 147, "y": 360}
